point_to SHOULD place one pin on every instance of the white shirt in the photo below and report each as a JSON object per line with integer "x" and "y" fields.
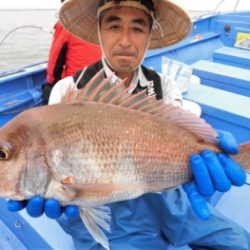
{"x": 170, "y": 91}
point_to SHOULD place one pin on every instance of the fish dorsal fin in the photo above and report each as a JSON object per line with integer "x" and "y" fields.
{"x": 101, "y": 90}
{"x": 96, "y": 219}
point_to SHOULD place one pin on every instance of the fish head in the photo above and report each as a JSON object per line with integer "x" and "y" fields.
{"x": 14, "y": 144}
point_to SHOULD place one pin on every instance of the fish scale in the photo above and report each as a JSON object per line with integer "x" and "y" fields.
{"x": 110, "y": 149}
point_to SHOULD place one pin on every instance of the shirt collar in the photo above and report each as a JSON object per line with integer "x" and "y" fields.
{"x": 138, "y": 78}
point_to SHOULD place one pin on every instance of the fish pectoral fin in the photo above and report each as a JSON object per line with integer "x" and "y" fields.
{"x": 96, "y": 219}
{"x": 63, "y": 192}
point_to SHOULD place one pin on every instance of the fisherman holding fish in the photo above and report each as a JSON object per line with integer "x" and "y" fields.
{"x": 178, "y": 216}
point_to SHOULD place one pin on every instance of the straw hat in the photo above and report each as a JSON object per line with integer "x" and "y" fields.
{"x": 171, "y": 22}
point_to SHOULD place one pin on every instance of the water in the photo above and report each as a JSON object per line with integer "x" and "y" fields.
{"x": 25, "y": 37}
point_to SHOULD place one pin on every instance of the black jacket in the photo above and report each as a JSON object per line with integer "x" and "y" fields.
{"x": 149, "y": 74}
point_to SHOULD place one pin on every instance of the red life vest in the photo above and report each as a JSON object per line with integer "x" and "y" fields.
{"x": 69, "y": 54}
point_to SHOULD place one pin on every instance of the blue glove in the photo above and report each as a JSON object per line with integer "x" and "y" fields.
{"x": 37, "y": 205}
{"x": 213, "y": 172}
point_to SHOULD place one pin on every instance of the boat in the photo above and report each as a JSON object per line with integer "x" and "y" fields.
{"x": 217, "y": 52}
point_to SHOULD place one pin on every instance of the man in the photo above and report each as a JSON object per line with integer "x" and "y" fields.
{"x": 126, "y": 29}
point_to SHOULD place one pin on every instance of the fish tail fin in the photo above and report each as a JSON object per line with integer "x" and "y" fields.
{"x": 96, "y": 219}
{"x": 243, "y": 158}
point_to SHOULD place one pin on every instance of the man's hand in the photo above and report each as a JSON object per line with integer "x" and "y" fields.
{"x": 37, "y": 205}
{"x": 213, "y": 172}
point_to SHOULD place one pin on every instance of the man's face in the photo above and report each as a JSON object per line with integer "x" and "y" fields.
{"x": 125, "y": 34}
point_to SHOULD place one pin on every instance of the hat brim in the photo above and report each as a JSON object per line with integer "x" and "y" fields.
{"x": 80, "y": 18}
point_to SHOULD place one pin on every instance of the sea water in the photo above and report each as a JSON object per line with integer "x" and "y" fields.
{"x": 25, "y": 37}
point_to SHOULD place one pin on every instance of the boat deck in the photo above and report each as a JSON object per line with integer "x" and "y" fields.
{"x": 223, "y": 76}
{"x": 232, "y": 56}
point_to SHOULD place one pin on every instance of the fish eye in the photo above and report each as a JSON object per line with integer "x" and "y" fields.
{"x": 4, "y": 154}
